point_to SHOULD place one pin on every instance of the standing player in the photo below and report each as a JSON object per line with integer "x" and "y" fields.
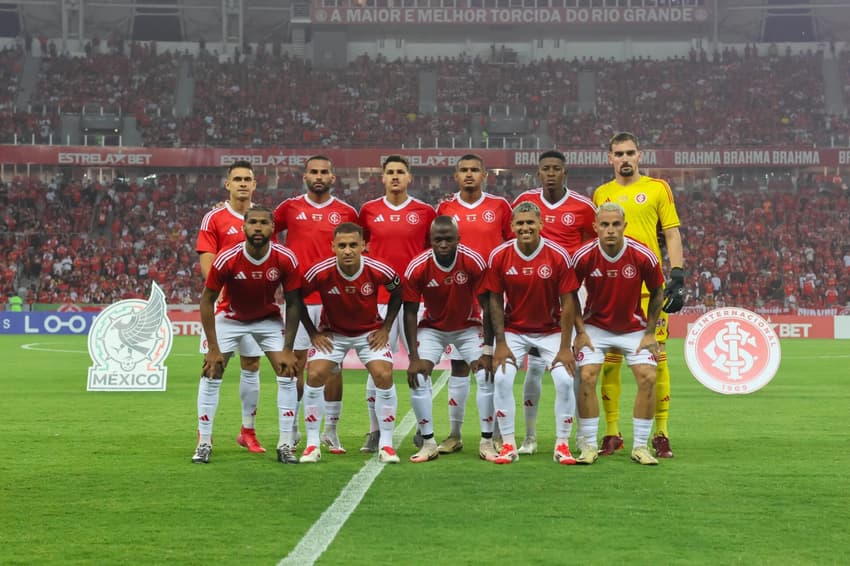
{"x": 221, "y": 228}
{"x": 647, "y": 203}
{"x": 309, "y": 221}
{"x": 395, "y": 228}
{"x": 568, "y": 221}
{"x": 448, "y": 278}
{"x": 614, "y": 269}
{"x": 532, "y": 304}
{"x": 484, "y": 221}
{"x": 252, "y": 271}
{"x": 348, "y": 285}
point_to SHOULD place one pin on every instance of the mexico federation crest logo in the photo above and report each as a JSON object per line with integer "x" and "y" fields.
{"x": 732, "y": 351}
{"x": 128, "y": 343}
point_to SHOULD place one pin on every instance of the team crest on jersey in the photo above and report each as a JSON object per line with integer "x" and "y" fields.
{"x": 640, "y": 198}
{"x": 544, "y": 272}
{"x": 128, "y": 343}
{"x": 273, "y": 274}
{"x": 568, "y": 219}
{"x": 367, "y": 289}
{"x": 413, "y": 218}
{"x": 629, "y": 271}
{"x": 335, "y": 218}
{"x": 489, "y": 216}
{"x": 461, "y": 277}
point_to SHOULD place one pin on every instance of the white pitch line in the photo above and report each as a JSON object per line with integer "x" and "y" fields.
{"x": 324, "y": 530}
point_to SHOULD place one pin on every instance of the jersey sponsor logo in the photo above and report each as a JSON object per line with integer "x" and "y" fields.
{"x": 379, "y": 218}
{"x": 316, "y": 217}
{"x": 461, "y": 277}
{"x": 568, "y": 219}
{"x": 350, "y": 289}
{"x": 367, "y": 289}
{"x": 413, "y": 218}
{"x": 512, "y": 271}
{"x": 527, "y": 270}
{"x": 549, "y": 219}
{"x": 448, "y": 280}
{"x": 273, "y": 274}
{"x": 544, "y": 271}
{"x": 240, "y": 275}
{"x": 256, "y": 275}
{"x": 232, "y": 230}
{"x": 640, "y": 198}
{"x": 335, "y": 218}
{"x": 629, "y": 271}
{"x": 611, "y": 272}
{"x": 732, "y": 351}
{"x": 301, "y": 216}
{"x": 433, "y": 283}
{"x": 489, "y": 216}
{"x": 334, "y": 291}
{"x": 128, "y": 344}
{"x": 596, "y": 273}
{"x": 471, "y": 217}
{"x": 395, "y": 217}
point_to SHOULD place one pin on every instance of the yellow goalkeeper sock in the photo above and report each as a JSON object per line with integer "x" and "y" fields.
{"x": 611, "y": 387}
{"x": 662, "y": 394}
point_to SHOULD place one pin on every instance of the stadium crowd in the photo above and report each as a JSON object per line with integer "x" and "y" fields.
{"x": 777, "y": 250}
{"x": 268, "y": 100}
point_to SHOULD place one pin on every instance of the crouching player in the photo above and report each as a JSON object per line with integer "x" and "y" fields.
{"x": 348, "y": 286}
{"x": 613, "y": 269}
{"x": 252, "y": 271}
{"x": 447, "y": 279}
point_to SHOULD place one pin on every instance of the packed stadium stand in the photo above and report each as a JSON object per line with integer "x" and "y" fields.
{"x": 188, "y": 77}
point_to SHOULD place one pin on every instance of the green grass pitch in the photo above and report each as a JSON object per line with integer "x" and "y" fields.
{"x": 105, "y": 478}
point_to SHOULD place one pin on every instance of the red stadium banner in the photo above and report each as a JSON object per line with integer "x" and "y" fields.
{"x": 469, "y": 16}
{"x": 785, "y": 325}
{"x": 84, "y": 156}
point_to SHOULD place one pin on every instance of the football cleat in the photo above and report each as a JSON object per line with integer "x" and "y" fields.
{"x": 611, "y": 444}
{"x": 311, "y": 455}
{"x": 332, "y": 443}
{"x": 528, "y": 446}
{"x": 428, "y": 452}
{"x": 508, "y": 455}
{"x": 589, "y": 454}
{"x": 248, "y": 438}
{"x": 451, "y": 445}
{"x": 563, "y": 455}
{"x": 387, "y": 455}
{"x": 642, "y": 456}
{"x": 202, "y": 454}
{"x": 370, "y": 445}
{"x": 486, "y": 450}
{"x": 285, "y": 455}
{"x": 662, "y": 446}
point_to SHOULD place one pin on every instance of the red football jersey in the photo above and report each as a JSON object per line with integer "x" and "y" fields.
{"x": 252, "y": 283}
{"x": 396, "y": 234}
{"x": 310, "y": 229}
{"x": 568, "y": 222}
{"x": 350, "y": 304}
{"x": 532, "y": 285}
{"x": 221, "y": 228}
{"x": 614, "y": 284}
{"x": 484, "y": 224}
{"x": 450, "y": 294}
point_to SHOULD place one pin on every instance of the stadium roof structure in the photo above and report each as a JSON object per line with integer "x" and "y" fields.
{"x": 241, "y": 21}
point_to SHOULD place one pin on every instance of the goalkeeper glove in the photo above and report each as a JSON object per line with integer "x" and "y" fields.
{"x": 674, "y": 293}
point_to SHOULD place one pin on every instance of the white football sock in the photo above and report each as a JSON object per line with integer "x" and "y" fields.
{"x": 249, "y": 393}
{"x": 371, "y": 391}
{"x": 588, "y": 431}
{"x": 642, "y": 429}
{"x": 386, "y": 405}
{"x": 504, "y": 403}
{"x": 314, "y": 408}
{"x": 287, "y": 408}
{"x": 208, "y": 393}
{"x": 565, "y": 402}
{"x": 423, "y": 408}
{"x": 458, "y": 392}
{"x": 484, "y": 400}
{"x": 333, "y": 409}
{"x": 531, "y": 389}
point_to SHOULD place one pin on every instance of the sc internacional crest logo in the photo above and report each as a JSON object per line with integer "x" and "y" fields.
{"x": 128, "y": 344}
{"x": 732, "y": 351}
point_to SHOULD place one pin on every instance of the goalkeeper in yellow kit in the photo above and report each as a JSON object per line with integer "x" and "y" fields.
{"x": 648, "y": 202}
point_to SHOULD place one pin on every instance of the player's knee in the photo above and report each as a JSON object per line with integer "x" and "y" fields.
{"x": 645, "y": 377}
{"x": 249, "y": 363}
{"x": 459, "y": 368}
